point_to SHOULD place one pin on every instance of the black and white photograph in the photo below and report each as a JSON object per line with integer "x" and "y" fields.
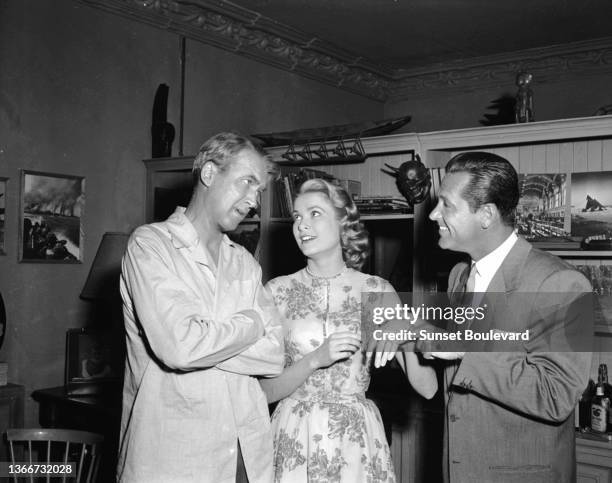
{"x": 543, "y": 207}
{"x": 600, "y": 276}
{"x": 196, "y": 198}
{"x": 592, "y": 204}
{"x": 2, "y": 214}
{"x": 52, "y": 206}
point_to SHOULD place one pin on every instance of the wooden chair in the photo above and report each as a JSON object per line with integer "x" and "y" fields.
{"x": 42, "y": 446}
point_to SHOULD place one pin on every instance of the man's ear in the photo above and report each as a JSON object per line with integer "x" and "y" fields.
{"x": 488, "y": 214}
{"x": 207, "y": 173}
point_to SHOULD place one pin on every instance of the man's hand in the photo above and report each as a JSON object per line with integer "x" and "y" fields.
{"x": 385, "y": 349}
{"x": 447, "y": 356}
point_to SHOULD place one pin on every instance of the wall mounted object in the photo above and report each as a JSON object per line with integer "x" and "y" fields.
{"x": 50, "y": 217}
{"x": 413, "y": 179}
{"x": 2, "y": 320}
{"x": 543, "y": 208}
{"x": 162, "y": 132}
{"x": 2, "y": 214}
{"x": 592, "y": 208}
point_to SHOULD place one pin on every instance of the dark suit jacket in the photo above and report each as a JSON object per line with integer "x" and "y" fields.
{"x": 509, "y": 415}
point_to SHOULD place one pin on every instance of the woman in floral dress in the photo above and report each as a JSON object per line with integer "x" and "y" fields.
{"x": 325, "y": 430}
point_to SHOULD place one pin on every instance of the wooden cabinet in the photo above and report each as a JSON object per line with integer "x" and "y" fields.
{"x": 564, "y": 146}
{"x": 572, "y": 145}
{"x": 170, "y": 183}
{"x": 593, "y": 460}
{"x": 11, "y": 413}
{"x": 569, "y": 145}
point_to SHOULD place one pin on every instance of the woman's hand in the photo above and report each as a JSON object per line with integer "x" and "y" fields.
{"x": 338, "y": 346}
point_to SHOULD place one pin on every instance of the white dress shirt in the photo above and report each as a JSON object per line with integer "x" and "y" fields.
{"x": 489, "y": 264}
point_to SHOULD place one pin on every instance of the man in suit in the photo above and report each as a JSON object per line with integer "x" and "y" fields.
{"x": 509, "y": 415}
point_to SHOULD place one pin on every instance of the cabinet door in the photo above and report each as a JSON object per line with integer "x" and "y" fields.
{"x": 592, "y": 474}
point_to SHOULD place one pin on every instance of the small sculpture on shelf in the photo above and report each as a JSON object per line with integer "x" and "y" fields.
{"x": 523, "y": 109}
{"x": 412, "y": 178}
{"x": 162, "y": 132}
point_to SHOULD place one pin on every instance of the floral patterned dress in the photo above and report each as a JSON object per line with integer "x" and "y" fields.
{"x": 327, "y": 431}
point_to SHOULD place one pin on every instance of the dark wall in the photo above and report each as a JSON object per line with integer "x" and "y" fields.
{"x": 76, "y": 94}
{"x": 578, "y": 97}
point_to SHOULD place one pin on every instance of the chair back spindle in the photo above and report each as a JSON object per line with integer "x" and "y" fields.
{"x": 47, "y": 446}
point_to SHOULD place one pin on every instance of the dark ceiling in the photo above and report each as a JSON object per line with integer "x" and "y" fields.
{"x": 409, "y": 34}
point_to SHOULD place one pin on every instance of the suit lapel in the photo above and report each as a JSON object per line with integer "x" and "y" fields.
{"x": 458, "y": 285}
{"x": 504, "y": 283}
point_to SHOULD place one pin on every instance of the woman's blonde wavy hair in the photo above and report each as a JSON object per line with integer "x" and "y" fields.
{"x": 353, "y": 236}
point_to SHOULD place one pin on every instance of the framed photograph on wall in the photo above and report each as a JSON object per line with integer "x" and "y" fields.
{"x": 599, "y": 272}
{"x": 543, "y": 211}
{"x": 51, "y": 209}
{"x": 592, "y": 209}
{"x": 2, "y": 214}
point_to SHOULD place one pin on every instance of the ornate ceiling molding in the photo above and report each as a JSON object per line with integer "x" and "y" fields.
{"x": 247, "y": 33}
{"x": 251, "y": 35}
{"x": 549, "y": 64}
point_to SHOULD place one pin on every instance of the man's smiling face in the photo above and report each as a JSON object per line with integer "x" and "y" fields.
{"x": 459, "y": 227}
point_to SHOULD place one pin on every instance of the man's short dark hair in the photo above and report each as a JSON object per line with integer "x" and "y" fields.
{"x": 221, "y": 149}
{"x": 492, "y": 180}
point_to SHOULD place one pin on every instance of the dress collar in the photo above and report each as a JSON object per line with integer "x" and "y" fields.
{"x": 320, "y": 277}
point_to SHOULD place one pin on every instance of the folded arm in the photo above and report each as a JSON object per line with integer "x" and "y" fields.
{"x": 266, "y": 356}
{"x": 180, "y": 333}
{"x": 338, "y": 346}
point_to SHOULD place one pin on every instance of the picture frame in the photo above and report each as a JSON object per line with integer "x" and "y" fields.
{"x": 592, "y": 209}
{"x": 599, "y": 273}
{"x": 51, "y": 208}
{"x": 3, "y": 195}
{"x": 93, "y": 362}
{"x": 543, "y": 210}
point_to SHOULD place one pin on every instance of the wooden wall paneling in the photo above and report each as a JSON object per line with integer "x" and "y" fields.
{"x": 580, "y": 157}
{"x": 333, "y": 170}
{"x": 511, "y": 153}
{"x": 606, "y": 161}
{"x": 526, "y": 159}
{"x": 539, "y": 158}
{"x": 435, "y": 159}
{"x": 553, "y": 163}
{"x": 373, "y": 175}
{"x": 594, "y": 153}
{"x": 566, "y": 157}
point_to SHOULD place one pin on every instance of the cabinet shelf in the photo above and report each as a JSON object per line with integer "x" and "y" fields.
{"x": 388, "y": 216}
{"x": 581, "y": 253}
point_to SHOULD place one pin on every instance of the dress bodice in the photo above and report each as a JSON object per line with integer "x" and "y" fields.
{"x": 312, "y": 308}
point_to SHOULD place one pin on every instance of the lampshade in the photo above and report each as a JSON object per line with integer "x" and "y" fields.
{"x": 103, "y": 279}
